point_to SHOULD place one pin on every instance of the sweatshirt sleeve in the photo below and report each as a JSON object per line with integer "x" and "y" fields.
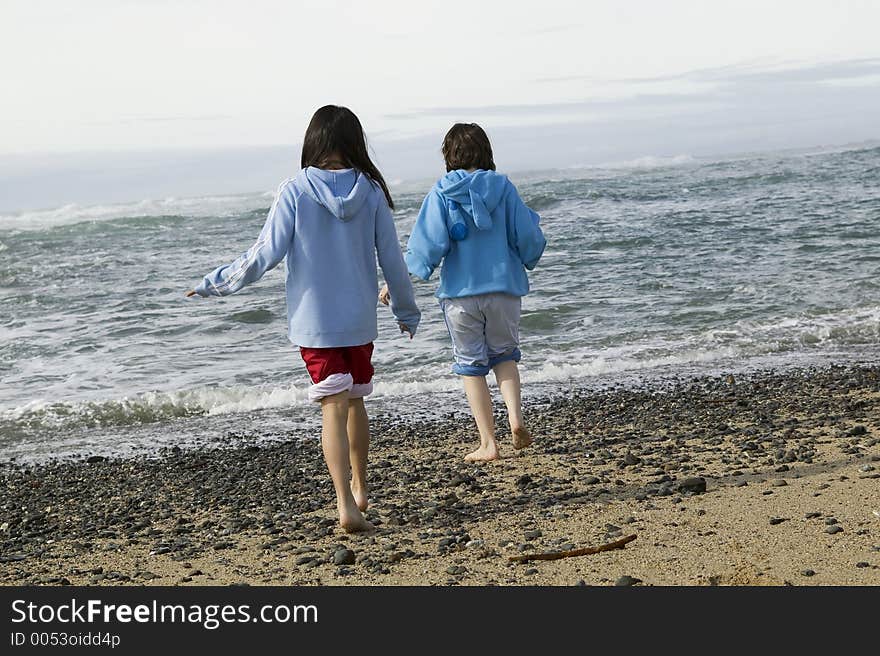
{"x": 429, "y": 242}
{"x": 403, "y": 302}
{"x": 524, "y": 234}
{"x": 270, "y": 248}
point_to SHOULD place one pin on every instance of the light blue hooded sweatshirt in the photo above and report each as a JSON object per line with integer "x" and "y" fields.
{"x": 482, "y": 231}
{"x": 330, "y": 225}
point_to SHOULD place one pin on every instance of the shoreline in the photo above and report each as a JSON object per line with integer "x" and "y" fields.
{"x": 787, "y": 457}
{"x": 204, "y": 431}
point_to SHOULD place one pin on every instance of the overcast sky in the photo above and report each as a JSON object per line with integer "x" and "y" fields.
{"x": 555, "y": 82}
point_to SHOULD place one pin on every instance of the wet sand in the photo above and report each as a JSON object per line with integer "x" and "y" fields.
{"x": 790, "y": 461}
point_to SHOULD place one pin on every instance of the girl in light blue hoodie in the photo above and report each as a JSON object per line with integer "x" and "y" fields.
{"x": 475, "y": 223}
{"x": 330, "y": 223}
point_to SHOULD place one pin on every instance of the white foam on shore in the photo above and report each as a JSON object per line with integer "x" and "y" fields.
{"x": 650, "y": 162}
{"x": 738, "y": 343}
{"x": 643, "y": 162}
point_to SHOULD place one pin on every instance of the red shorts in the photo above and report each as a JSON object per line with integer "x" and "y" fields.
{"x": 354, "y": 360}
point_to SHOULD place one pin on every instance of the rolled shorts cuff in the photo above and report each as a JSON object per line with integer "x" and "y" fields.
{"x": 360, "y": 390}
{"x": 332, "y": 384}
{"x": 470, "y": 369}
{"x": 514, "y": 355}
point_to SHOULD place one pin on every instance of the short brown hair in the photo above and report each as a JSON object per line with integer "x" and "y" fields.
{"x": 466, "y": 146}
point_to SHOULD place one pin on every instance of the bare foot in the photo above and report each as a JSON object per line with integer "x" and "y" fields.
{"x": 483, "y": 454}
{"x": 352, "y": 521}
{"x": 521, "y": 437}
{"x": 360, "y": 497}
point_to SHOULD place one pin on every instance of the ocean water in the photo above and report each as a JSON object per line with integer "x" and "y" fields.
{"x": 653, "y": 268}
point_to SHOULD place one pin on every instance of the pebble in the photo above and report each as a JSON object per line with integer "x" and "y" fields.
{"x": 627, "y": 580}
{"x": 831, "y": 530}
{"x": 344, "y": 557}
{"x": 777, "y": 520}
{"x": 808, "y": 572}
{"x": 779, "y": 482}
{"x": 693, "y": 485}
{"x": 863, "y": 564}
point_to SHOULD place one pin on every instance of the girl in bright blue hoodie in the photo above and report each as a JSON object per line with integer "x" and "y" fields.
{"x": 474, "y": 223}
{"x": 330, "y": 223}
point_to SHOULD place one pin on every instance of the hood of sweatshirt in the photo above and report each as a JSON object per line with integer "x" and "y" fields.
{"x": 475, "y": 194}
{"x": 342, "y": 192}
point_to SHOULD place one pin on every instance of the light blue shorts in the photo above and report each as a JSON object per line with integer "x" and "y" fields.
{"x": 484, "y": 330}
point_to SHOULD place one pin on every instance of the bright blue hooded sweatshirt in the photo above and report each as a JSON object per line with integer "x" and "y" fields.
{"x": 330, "y": 225}
{"x": 482, "y": 231}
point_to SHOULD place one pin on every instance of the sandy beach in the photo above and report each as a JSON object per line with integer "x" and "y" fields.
{"x": 790, "y": 461}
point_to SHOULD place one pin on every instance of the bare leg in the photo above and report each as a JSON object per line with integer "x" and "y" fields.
{"x": 334, "y": 440}
{"x": 481, "y": 407}
{"x": 507, "y": 375}
{"x": 358, "y": 449}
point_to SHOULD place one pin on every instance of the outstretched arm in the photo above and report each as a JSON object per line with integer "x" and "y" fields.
{"x": 403, "y": 302}
{"x": 429, "y": 241}
{"x": 270, "y": 248}
{"x": 524, "y": 232}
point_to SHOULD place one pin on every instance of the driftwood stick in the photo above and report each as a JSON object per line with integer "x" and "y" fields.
{"x": 585, "y": 551}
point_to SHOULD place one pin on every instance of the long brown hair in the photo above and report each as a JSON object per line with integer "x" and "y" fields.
{"x": 336, "y": 132}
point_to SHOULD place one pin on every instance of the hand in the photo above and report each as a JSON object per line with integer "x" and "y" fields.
{"x": 190, "y": 293}
{"x": 384, "y": 295}
{"x": 405, "y": 329}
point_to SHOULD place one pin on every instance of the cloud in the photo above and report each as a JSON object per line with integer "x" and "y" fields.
{"x": 749, "y": 107}
{"x": 700, "y": 88}
{"x": 752, "y": 70}
{"x": 545, "y": 109}
{"x": 792, "y": 74}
